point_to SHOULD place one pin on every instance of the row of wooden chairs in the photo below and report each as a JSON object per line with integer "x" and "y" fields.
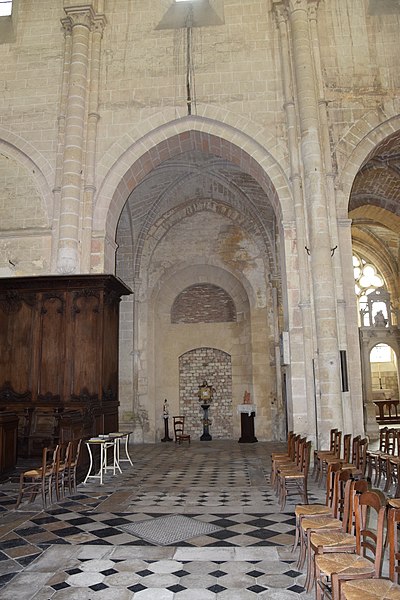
{"x": 353, "y": 454}
{"x": 289, "y": 473}
{"x": 383, "y": 463}
{"x": 341, "y": 544}
{"x": 56, "y": 474}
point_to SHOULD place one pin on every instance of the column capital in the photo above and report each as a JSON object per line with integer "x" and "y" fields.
{"x": 66, "y": 25}
{"x": 280, "y": 10}
{"x": 313, "y": 9}
{"x": 311, "y": 6}
{"x": 80, "y": 15}
{"x": 98, "y": 24}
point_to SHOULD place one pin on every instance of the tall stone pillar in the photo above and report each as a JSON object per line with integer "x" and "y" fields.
{"x": 301, "y": 338}
{"x": 329, "y": 410}
{"x": 79, "y": 19}
{"x": 90, "y": 164}
{"x": 60, "y": 140}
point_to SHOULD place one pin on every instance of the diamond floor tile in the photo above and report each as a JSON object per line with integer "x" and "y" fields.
{"x": 203, "y": 523}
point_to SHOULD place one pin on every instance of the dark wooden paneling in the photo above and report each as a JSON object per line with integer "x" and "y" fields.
{"x": 8, "y": 441}
{"x": 52, "y": 335}
{"x": 86, "y": 334}
{"x": 59, "y": 356}
{"x": 17, "y": 321}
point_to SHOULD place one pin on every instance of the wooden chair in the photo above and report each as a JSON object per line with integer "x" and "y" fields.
{"x": 344, "y": 540}
{"x": 70, "y": 478}
{"x": 345, "y": 461}
{"x": 302, "y": 511}
{"x": 393, "y": 532}
{"x": 320, "y": 456}
{"x": 61, "y": 462}
{"x": 318, "y": 453}
{"x": 381, "y": 588}
{"x": 384, "y": 457}
{"x": 393, "y": 470}
{"x": 179, "y": 430}
{"x": 372, "y": 455}
{"x": 285, "y": 460}
{"x": 332, "y": 569}
{"x": 334, "y": 521}
{"x": 289, "y": 463}
{"x": 39, "y": 480}
{"x": 282, "y": 456}
{"x": 294, "y": 480}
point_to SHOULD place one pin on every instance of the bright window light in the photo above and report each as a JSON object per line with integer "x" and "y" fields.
{"x": 381, "y": 353}
{"x": 5, "y": 8}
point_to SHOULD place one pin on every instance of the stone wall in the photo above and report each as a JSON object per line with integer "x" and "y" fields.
{"x": 213, "y": 366}
{"x": 290, "y": 99}
{"x": 203, "y": 303}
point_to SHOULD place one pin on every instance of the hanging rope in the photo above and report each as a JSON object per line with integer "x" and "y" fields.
{"x": 189, "y": 69}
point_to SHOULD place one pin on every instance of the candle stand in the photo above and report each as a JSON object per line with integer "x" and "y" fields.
{"x": 166, "y": 437}
{"x": 205, "y": 437}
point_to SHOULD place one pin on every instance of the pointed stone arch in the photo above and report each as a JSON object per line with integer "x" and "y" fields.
{"x": 128, "y": 169}
{"x": 357, "y": 145}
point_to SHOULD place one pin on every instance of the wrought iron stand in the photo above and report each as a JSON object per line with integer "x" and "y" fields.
{"x": 166, "y": 437}
{"x": 205, "y": 437}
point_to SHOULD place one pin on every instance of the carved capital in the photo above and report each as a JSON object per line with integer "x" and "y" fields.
{"x": 80, "y": 15}
{"x": 311, "y": 6}
{"x": 98, "y": 24}
{"x": 297, "y": 5}
{"x": 66, "y": 25}
{"x": 313, "y": 9}
{"x": 280, "y": 11}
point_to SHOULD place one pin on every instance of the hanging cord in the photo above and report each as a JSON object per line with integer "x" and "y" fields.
{"x": 189, "y": 69}
{"x": 190, "y": 85}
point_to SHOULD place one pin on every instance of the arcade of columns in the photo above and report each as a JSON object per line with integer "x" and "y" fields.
{"x": 319, "y": 307}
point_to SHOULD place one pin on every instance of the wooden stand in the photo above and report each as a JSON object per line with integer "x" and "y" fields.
{"x": 247, "y": 414}
{"x": 206, "y": 436}
{"x": 166, "y": 437}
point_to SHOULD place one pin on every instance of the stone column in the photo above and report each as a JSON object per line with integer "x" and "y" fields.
{"x": 340, "y": 229}
{"x": 306, "y": 414}
{"x": 91, "y": 137}
{"x": 80, "y": 20}
{"x": 61, "y": 136}
{"x": 330, "y": 411}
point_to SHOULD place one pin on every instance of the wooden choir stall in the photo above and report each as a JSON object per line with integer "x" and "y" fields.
{"x": 59, "y": 340}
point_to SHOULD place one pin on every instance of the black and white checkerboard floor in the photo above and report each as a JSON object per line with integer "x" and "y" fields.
{"x": 81, "y": 546}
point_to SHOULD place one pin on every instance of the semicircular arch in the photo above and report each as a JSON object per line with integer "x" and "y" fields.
{"x": 36, "y": 166}
{"x": 176, "y": 280}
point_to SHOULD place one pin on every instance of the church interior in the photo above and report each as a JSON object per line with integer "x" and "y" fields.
{"x": 194, "y": 195}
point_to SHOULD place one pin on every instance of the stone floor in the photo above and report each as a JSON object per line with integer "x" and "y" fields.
{"x": 81, "y": 547}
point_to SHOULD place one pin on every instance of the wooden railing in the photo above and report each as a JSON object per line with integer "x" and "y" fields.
{"x": 388, "y": 411}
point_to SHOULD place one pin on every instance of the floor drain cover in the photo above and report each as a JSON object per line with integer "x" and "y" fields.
{"x": 169, "y": 530}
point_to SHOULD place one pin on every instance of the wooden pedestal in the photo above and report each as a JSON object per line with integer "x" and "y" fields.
{"x": 247, "y": 428}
